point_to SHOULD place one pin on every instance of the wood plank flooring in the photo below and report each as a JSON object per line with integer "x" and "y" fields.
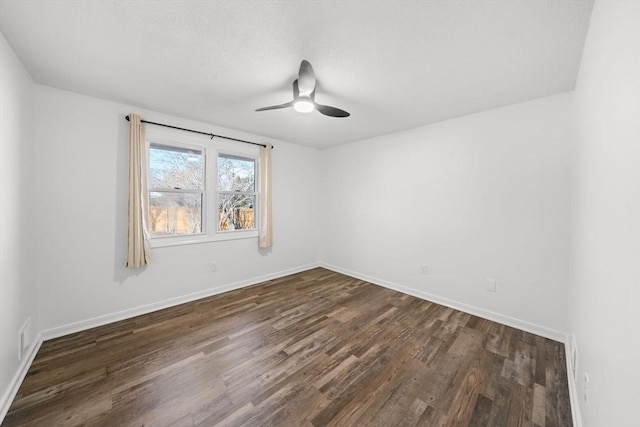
{"x": 313, "y": 349}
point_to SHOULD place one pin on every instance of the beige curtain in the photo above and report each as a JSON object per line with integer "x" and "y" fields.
{"x": 139, "y": 253}
{"x": 265, "y": 205}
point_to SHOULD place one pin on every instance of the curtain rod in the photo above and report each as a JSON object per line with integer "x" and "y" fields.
{"x": 201, "y": 133}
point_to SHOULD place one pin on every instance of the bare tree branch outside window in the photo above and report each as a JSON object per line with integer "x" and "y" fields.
{"x": 176, "y": 183}
{"x": 236, "y": 193}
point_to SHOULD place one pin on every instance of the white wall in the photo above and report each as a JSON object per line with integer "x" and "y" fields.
{"x": 604, "y": 292}
{"x": 477, "y": 197}
{"x": 17, "y": 262}
{"x": 81, "y": 170}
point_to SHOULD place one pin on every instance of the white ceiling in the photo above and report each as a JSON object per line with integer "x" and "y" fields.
{"x": 392, "y": 64}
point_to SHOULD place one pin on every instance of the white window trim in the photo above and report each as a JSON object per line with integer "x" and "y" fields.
{"x": 211, "y": 149}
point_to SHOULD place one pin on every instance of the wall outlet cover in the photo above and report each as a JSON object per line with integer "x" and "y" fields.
{"x": 574, "y": 358}
{"x": 587, "y": 383}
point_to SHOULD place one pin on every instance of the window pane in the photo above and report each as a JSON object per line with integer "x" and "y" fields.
{"x": 236, "y": 212}
{"x": 236, "y": 174}
{"x": 175, "y": 168}
{"x": 175, "y": 213}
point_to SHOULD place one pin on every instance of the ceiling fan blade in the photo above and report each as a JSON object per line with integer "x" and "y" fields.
{"x": 331, "y": 111}
{"x": 296, "y": 90}
{"x": 276, "y": 107}
{"x": 306, "y": 78}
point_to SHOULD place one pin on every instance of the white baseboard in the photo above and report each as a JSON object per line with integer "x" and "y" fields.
{"x": 573, "y": 391}
{"x": 148, "y": 308}
{"x": 17, "y": 379}
{"x": 476, "y": 311}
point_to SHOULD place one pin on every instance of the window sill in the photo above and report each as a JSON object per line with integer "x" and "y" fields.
{"x": 164, "y": 242}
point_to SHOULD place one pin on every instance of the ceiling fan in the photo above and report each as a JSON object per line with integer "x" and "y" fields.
{"x": 304, "y": 92}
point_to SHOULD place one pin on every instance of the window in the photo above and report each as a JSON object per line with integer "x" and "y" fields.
{"x": 176, "y": 190}
{"x": 236, "y": 193}
{"x": 200, "y": 190}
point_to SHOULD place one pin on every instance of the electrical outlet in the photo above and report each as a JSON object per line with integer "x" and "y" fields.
{"x": 587, "y": 382}
{"x": 214, "y": 267}
{"x": 423, "y": 269}
{"x": 574, "y": 358}
{"x": 491, "y": 285}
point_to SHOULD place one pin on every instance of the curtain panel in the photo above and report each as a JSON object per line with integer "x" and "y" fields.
{"x": 138, "y": 251}
{"x": 265, "y": 204}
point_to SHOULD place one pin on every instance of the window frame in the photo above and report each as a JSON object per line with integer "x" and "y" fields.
{"x": 254, "y": 193}
{"x": 202, "y": 191}
{"x": 211, "y": 149}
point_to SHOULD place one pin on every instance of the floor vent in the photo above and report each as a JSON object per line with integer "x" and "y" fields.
{"x": 24, "y": 338}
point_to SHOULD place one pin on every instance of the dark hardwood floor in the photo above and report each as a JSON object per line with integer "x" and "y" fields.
{"x": 313, "y": 349}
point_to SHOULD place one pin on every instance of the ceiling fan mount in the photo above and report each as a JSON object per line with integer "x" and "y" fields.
{"x": 304, "y": 92}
